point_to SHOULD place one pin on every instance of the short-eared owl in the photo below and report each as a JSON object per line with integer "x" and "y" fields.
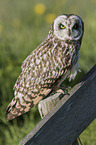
{"x": 55, "y": 59}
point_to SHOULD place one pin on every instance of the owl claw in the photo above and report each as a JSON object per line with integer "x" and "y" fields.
{"x": 62, "y": 89}
{"x": 65, "y": 89}
{"x": 65, "y": 92}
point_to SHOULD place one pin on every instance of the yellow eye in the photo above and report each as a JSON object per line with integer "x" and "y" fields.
{"x": 62, "y": 26}
{"x": 76, "y": 26}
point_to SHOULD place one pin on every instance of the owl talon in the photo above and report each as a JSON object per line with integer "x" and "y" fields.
{"x": 64, "y": 87}
{"x": 60, "y": 91}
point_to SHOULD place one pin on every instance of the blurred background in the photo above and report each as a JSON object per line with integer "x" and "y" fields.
{"x": 24, "y": 24}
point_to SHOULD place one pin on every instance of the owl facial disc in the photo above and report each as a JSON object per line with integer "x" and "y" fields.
{"x": 68, "y": 27}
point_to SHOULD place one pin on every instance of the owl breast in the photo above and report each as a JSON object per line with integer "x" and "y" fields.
{"x": 71, "y": 59}
{"x": 47, "y": 63}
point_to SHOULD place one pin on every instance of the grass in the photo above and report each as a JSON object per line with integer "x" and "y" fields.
{"x": 22, "y": 29}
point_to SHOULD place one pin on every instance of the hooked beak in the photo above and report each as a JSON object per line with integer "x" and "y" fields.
{"x": 69, "y": 32}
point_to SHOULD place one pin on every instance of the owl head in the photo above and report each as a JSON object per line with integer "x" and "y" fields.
{"x": 68, "y": 27}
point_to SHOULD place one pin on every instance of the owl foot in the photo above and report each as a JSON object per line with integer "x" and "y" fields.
{"x": 61, "y": 89}
{"x": 65, "y": 89}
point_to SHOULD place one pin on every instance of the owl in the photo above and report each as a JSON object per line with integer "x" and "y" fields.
{"x": 54, "y": 60}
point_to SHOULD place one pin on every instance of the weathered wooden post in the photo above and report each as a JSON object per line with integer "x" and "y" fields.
{"x": 69, "y": 118}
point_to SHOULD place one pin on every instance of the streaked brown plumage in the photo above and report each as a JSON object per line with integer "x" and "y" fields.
{"x": 54, "y": 59}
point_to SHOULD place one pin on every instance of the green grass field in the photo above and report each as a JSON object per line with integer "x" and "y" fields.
{"x": 24, "y": 24}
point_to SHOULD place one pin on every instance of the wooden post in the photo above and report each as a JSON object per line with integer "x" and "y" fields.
{"x": 69, "y": 118}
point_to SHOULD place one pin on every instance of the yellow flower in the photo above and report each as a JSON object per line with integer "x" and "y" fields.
{"x": 50, "y": 17}
{"x": 1, "y": 28}
{"x": 39, "y": 9}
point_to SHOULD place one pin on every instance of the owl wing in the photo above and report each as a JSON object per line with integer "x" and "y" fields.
{"x": 40, "y": 70}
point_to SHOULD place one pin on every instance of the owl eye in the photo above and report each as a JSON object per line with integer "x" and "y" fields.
{"x": 61, "y": 26}
{"x": 76, "y": 26}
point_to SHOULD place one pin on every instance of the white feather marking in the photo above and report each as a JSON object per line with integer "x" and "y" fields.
{"x": 47, "y": 63}
{"x": 35, "y": 90}
{"x": 18, "y": 105}
{"x": 27, "y": 85}
{"x": 37, "y": 61}
{"x": 58, "y": 58}
{"x": 53, "y": 72}
{"x": 19, "y": 95}
{"x": 31, "y": 64}
{"x": 37, "y": 80}
{"x": 44, "y": 69}
{"x": 44, "y": 56}
{"x": 73, "y": 72}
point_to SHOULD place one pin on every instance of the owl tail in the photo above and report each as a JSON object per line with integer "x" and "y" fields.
{"x": 18, "y": 106}
{"x": 21, "y": 104}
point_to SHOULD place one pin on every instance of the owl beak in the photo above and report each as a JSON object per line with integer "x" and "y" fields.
{"x": 69, "y": 32}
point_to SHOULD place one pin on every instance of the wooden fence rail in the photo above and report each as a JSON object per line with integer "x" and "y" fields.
{"x": 69, "y": 118}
